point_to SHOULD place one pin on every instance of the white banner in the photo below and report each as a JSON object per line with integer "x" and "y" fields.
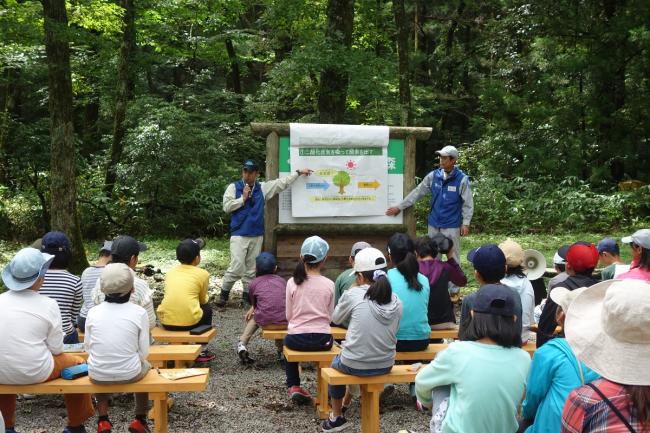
{"x": 350, "y": 170}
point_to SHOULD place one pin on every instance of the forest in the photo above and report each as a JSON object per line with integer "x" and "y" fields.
{"x": 132, "y": 116}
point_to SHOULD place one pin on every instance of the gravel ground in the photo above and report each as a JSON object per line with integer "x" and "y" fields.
{"x": 238, "y": 398}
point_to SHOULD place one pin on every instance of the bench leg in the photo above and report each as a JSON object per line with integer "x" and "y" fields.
{"x": 160, "y": 411}
{"x": 370, "y": 407}
{"x": 322, "y": 404}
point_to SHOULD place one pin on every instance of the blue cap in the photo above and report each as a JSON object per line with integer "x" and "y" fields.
{"x": 608, "y": 245}
{"x": 27, "y": 266}
{"x": 55, "y": 241}
{"x": 495, "y": 299}
{"x": 489, "y": 261}
{"x": 249, "y": 164}
{"x": 314, "y": 246}
{"x": 265, "y": 263}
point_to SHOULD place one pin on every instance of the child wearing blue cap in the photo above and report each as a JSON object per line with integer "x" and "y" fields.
{"x": 267, "y": 293}
{"x": 310, "y": 303}
{"x": 476, "y": 385}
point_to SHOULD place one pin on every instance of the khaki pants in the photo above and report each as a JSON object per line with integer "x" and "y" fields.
{"x": 243, "y": 251}
{"x": 250, "y": 329}
{"x": 141, "y": 398}
{"x": 78, "y": 406}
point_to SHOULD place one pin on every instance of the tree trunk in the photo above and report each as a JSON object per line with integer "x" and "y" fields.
{"x": 125, "y": 89}
{"x": 234, "y": 66}
{"x": 333, "y": 91}
{"x": 63, "y": 183}
{"x": 403, "y": 55}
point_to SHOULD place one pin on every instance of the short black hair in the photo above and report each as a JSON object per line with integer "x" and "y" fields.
{"x": 502, "y": 329}
{"x": 61, "y": 257}
{"x": 119, "y": 259}
{"x": 425, "y": 246}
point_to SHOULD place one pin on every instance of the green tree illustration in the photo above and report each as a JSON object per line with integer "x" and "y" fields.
{"x": 341, "y": 179}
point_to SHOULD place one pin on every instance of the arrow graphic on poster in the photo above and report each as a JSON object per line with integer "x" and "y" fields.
{"x": 318, "y": 185}
{"x": 374, "y": 184}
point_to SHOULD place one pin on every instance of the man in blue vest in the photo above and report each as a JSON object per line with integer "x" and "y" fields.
{"x": 244, "y": 199}
{"x": 452, "y": 204}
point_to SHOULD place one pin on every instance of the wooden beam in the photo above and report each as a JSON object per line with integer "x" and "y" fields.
{"x": 409, "y": 182}
{"x": 271, "y": 207}
{"x": 282, "y": 129}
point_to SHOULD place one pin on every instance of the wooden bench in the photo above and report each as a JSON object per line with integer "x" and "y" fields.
{"x": 339, "y": 333}
{"x": 371, "y": 388}
{"x": 157, "y": 386}
{"x": 324, "y": 359}
{"x": 181, "y": 354}
{"x": 162, "y": 335}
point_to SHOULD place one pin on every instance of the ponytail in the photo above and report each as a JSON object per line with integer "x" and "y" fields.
{"x": 379, "y": 291}
{"x": 300, "y": 273}
{"x": 401, "y": 250}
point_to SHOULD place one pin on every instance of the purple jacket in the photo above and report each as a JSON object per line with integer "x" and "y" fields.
{"x": 268, "y": 295}
{"x": 439, "y": 273}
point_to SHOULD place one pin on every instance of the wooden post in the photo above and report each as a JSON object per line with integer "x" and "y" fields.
{"x": 370, "y": 407}
{"x": 322, "y": 408}
{"x": 271, "y": 207}
{"x": 409, "y": 182}
{"x": 160, "y": 411}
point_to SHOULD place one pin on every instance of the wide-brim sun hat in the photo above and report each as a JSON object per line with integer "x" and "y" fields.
{"x": 608, "y": 328}
{"x": 27, "y": 266}
{"x": 565, "y": 297}
{"x": 369, "y": 259}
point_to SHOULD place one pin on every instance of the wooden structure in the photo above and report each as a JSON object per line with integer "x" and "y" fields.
{"x": 160, "y": 354}
{"x": 371, "y": 389}
{"x": 339, "y": 333}
{"x": 162, "y": 335}
{"x": 153, "y": 383}
{"x": 323, "y": 359}
{"x": 284, "y": 240}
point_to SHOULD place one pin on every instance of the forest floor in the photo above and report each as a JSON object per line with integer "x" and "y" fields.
{"x": 249, "y": 398}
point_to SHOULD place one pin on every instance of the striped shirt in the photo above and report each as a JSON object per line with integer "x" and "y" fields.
{"x": 141, "y": 296}
{"x": 586, "y": 412}
{"x": 67, "y": 291}
{"x": 89, "y": 278}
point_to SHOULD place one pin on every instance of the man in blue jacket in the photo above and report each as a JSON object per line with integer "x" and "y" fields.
{"x": 245, "y": 199}
{"x": 452, "y": 204}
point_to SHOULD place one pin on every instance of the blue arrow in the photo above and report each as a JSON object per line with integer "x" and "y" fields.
{"x": 318, "y": 185}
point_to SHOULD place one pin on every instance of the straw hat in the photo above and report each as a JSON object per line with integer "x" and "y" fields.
{"x": 608, "y": 328}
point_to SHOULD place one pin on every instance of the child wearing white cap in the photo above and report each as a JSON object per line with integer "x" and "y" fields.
{"x": 639, "y": 243}
{"x": 310, "y": 303}
{"x": 117, "y": 342}
{"x": 31, "y": 347}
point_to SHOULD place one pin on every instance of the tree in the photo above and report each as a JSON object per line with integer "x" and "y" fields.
{"x": 63, "y": 181}
{"x": 403, "y": 56}
{"x": 332, "y": 93}
{"x": 341, "y": 179}
{"x": 125, "y": 83}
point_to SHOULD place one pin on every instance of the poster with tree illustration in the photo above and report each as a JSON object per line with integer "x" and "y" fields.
{"x": 350, "y": 170}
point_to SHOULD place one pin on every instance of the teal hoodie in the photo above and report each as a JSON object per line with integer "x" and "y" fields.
{"x": 554, "y": 373}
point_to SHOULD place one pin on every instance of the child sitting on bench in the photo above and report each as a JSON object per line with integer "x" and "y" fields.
{"x": 117, "y": 342}
{"x": 373, "y": 312}
{"x": 267, "y": 294}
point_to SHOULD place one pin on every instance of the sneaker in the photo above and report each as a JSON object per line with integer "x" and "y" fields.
{"x": 242, "y": 352}
{"x": 339, "y": 424}
{"x": 139, "y": 426}
{"x": 205, "y": 356}
{"x": 104, "y": 426}
{"x": 80, "y": 429}
{"x": 299, "y": 395}
{"x": 10, "y": 430}
{"x": 281, "y": 359}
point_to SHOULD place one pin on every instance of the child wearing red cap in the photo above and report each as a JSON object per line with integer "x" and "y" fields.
{"x": 581, "y": 259}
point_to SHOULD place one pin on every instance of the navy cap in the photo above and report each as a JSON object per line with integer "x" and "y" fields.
{"x": 125, "y": 247}
{"x": 489, "y": 261}
{"x": 55, "y": 241}
{"x": 608, "y": 245}
{"x": 495, "y": 299}
{"x": 249, "y": 164}
{"x": 265, "y": 263}
{"x": 188, "y": 249}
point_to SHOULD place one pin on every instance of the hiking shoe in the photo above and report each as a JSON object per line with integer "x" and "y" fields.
{"x": 299, "y": 395}
{"x": 339, "y": 424}
{"x": 223, "y": 299}
{"x": 104, "y": 426}
{"x": 139, "y": 426}
{"x": 242, "y": 352}
{"x": 205, "y": 356}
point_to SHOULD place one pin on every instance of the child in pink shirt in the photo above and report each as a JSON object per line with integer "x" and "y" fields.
{"x": 310, "y": 303}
